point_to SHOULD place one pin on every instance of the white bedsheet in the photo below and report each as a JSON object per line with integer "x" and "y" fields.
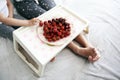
{"x": 104, "y": 18}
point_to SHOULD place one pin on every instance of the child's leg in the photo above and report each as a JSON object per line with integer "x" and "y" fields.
{"x": 47, "y": 4}
{"x": 88, "y": 51}
{"x": 81, "y": 39}
{"x": 6, "y": 31}
{"x": 28, "y": 8}
{"x": 81, "y": 51}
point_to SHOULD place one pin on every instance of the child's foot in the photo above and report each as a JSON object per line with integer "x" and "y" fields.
{"x": 89, "y": 52}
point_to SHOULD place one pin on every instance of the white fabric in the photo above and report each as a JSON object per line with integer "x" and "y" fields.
{"x": 104, "y": 18}
{"x": 2, "y": 4}
{"x": 3, "y": 8}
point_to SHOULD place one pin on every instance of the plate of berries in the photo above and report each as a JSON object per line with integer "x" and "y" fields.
{"x": 55, "y": 31}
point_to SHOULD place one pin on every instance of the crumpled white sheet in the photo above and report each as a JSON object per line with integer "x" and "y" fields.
{"x": 104, "y": 27}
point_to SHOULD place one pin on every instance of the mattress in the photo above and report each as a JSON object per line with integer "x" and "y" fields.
{"x": 104, "y": 30}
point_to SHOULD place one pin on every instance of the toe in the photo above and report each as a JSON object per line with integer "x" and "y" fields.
{"x": 93, "y": 59}
{"x": 96, "y": 58}
{"x": 90, "y": 59}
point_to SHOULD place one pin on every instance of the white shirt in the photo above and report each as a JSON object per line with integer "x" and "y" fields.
{"x": 4, "y": 8}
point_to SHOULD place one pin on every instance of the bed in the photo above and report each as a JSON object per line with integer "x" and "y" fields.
{"x": 104, "y": 30}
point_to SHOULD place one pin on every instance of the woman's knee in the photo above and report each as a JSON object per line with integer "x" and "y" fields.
{"x": 47, "y": 4}
{"x": 6, "y": 31}
{"x": 28, "y": 9}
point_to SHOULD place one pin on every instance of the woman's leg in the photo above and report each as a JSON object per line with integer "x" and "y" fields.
{"x": 47, "y": 4}
{"x": 6, "y": 31}
{"x": 28, "y": 8}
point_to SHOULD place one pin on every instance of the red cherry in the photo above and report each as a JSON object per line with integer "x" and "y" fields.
{"x": 60, "y": 24}
{"x": 56, "y": 29}
{"x": 40, "y": 23}
{"x": 45, "y": 22}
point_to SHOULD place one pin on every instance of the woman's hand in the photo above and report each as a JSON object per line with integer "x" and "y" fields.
{"x": 33, "y": 22}
{"x": 18, "y": 22}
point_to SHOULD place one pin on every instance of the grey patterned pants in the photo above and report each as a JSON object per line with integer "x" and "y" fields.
{"x": 30, "y": 9}
{"x": 6, "y": 31}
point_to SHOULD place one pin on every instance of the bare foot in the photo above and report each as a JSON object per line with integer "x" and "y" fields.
{"x": 89, "y": 52}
